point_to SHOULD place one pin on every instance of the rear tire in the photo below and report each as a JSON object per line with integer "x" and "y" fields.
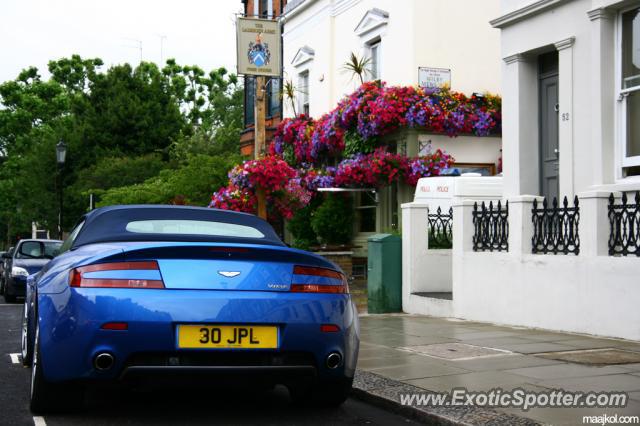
{"x": 324, "y": 393}
{"x": 48, "y": 397}
{"x": 27, "y": 343}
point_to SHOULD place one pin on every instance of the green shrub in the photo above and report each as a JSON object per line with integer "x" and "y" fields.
{"x": 300, "y": 226}
{"x": 333, "y": 220}
{"x": 439, "y": 241}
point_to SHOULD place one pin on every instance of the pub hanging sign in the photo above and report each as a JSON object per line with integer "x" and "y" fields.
{"x": 258, "y": 47}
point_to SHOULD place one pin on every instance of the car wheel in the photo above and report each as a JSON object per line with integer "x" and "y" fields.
{"x": 323, "y": 393}
{"x": 27, "y": 344}
{"x": 48, "y": 397}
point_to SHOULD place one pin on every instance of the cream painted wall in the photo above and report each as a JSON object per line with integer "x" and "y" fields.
{"x": 437, "y": 33}
{"x": 467, "y": 149}
{"x": 310, "y": 28}
{"x": 455, "y": 34}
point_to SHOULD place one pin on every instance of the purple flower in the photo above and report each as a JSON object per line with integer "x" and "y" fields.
{"x": 482, "y": 126}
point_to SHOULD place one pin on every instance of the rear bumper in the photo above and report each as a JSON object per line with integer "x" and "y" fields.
{"x": 71, "y": 337}
{"x": 218, "y": 375}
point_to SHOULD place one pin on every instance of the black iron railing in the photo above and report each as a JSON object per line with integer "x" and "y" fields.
{"x": 555, "y": 228}
{"x": 624, "y": 219}
{"x": 491, "y": 227}
{"x": 440, "y": 229}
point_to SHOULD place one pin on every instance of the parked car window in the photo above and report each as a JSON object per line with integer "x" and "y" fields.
{"x": 38, "y": 250}
{"x": 193, "y": 227}
{"x": 71, "y": 238}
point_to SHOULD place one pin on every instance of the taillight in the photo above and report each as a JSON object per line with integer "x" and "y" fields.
{"x": 329, "y": 328}
{"x": 120, "y": 326}
{"x": 118, "y": 275}
{"x": 321, "y": 280}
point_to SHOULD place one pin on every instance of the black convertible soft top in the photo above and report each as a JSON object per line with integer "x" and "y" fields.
{"x": 108, "y": 224}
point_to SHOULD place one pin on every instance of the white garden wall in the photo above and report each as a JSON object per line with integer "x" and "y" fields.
{"x": 590, "y": 293}
{"x": 597, "y": 295}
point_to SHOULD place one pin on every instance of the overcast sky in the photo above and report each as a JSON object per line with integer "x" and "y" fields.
{"x": 197, "y": 32}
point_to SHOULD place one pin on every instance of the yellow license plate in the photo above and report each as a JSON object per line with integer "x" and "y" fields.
{"x": 227, "y": 336}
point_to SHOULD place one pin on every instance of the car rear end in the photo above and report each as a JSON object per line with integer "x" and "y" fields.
{"x": 215, "y": 312}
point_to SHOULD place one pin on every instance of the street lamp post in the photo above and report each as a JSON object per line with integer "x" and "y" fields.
{"x": 61, "y": 156}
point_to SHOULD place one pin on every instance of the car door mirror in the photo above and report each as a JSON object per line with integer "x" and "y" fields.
{"x": 6, "y": 255}
{"x": 32, "y": 249}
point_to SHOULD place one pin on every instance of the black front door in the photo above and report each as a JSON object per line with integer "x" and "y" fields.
{"x": 548, "y": 98}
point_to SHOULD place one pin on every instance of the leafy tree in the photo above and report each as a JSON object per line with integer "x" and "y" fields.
{"x": 191, "y": 183}
{"x": 173, "y": 133}
{"x": 28, "y": 103}
{"x": 75, "y": 74}
{"x": 130, "y": 111}
{"x": 112, "y": 172}
{"x": 200, "y": 95}
{"x": 32, "y": 179}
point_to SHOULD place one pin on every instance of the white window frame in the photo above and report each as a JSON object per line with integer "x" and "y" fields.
{"x": 359, "y": 207}
{"x": 375, "y": 45}
{"x": 304, "y": 92}
{"x": 623, "y": 161}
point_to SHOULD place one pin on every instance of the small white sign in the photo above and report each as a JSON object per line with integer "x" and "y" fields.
{"x": 434, "y": 77}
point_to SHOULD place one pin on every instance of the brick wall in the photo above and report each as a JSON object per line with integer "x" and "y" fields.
{"x": 277, "y": 6}
{"x": 342, "y": 259}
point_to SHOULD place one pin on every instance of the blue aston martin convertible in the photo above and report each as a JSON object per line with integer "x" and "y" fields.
{"x": 150, "y": 294}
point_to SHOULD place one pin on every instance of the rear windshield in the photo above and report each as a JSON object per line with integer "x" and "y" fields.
{"x": 193, "y": 227}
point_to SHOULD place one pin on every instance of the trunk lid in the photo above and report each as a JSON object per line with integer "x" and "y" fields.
{"x": 225, "y": 267}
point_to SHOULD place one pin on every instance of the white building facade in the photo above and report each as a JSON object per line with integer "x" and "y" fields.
{"x": 397, "y": 37}
{"x": 571, "y": 127}
{"x": 583, "y": 51}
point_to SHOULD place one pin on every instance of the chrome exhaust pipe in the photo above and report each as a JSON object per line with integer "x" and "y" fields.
{"x": 334, "y": 360}
{"x": 103, "y": 361}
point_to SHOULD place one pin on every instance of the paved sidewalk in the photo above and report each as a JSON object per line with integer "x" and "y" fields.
{"x": 394, "y": 346}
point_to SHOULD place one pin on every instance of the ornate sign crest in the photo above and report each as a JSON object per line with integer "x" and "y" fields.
{"x": 258, "y": 53}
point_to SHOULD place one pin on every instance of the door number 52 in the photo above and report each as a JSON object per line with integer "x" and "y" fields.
{"x": 564, "y": 116}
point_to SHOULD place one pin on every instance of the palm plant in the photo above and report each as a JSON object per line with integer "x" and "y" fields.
{"x": 357, "y": 66}
{"x": 289, "y": 94}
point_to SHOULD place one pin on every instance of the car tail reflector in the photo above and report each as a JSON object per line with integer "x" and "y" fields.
{"x": 342, "y": 287}
{"x": 77, "y": 276}
{"x": 115, "y": 326}
{"x": 329, "y": 328}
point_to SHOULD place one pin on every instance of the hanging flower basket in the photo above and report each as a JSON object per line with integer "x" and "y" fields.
{"x": 374, "y": 110}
